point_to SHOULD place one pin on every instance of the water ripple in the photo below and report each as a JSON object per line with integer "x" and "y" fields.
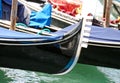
{"x": 21, "y": 76}
{"x": 112, "y": 74}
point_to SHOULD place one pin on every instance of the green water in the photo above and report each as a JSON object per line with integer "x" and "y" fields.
{"x": 80, "y": 74}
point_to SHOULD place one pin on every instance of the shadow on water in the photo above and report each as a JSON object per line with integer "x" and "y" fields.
{"x": 80, "y": 74}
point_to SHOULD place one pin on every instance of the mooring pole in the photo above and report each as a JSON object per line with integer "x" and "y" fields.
{"x": 106, "y": 13}
{"x": 13, "y": 14}
{"x": 105, "y": 6}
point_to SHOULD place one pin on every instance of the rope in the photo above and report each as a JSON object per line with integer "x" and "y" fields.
{"x": 39, "y": 33}
{"x": 21, "y": 24}
{"x": 43, "y": 30}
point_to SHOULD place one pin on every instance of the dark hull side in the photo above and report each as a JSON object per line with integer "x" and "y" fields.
{"x": 101, "y": 56}
{"x": 32, "y": 58}
{"x": 52, "y": 60}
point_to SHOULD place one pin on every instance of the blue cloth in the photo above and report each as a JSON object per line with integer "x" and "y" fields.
{"x": 41, "y": 18}
{"x": 0, "y": 9}
{"x": 22, "y": 13}
{"x": 104, "y": 34}
{"x": 10, "y": 34}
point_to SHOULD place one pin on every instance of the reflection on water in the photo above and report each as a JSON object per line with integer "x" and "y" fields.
{"x": 80, "y": 74}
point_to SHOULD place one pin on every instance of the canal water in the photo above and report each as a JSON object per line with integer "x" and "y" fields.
{"x": 80, "y": 74}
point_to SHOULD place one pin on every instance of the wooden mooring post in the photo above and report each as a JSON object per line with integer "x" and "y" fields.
{"x": 106, "y": 12}
{"x": 13, "y": 17}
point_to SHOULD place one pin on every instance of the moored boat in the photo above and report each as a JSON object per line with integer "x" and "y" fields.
{"x": 42, "y": 48}
{"x": 103, "y": 43}
{"x": 57, "y": 52}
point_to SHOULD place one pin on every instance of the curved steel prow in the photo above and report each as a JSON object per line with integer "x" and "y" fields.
{"x": 82, "y": 42}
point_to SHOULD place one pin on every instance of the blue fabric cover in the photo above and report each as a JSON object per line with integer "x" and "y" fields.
{"x": 41, "y": 18}
{"x": 10, "y": 34}
{"x": 104, "y": 34}
{"x": 0, "y": 9}
{"x": 97, "y": 33}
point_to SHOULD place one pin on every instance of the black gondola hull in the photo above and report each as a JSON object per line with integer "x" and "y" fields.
{"x": 32, "y": 58}
{"x": 101, "y": 56}
{"x": 51, "y": 60}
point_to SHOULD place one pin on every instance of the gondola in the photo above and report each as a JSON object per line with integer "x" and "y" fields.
{"x": 54, "y": 52}
{"x": 58, "y": 54}
{"x": 103, "y": 44}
